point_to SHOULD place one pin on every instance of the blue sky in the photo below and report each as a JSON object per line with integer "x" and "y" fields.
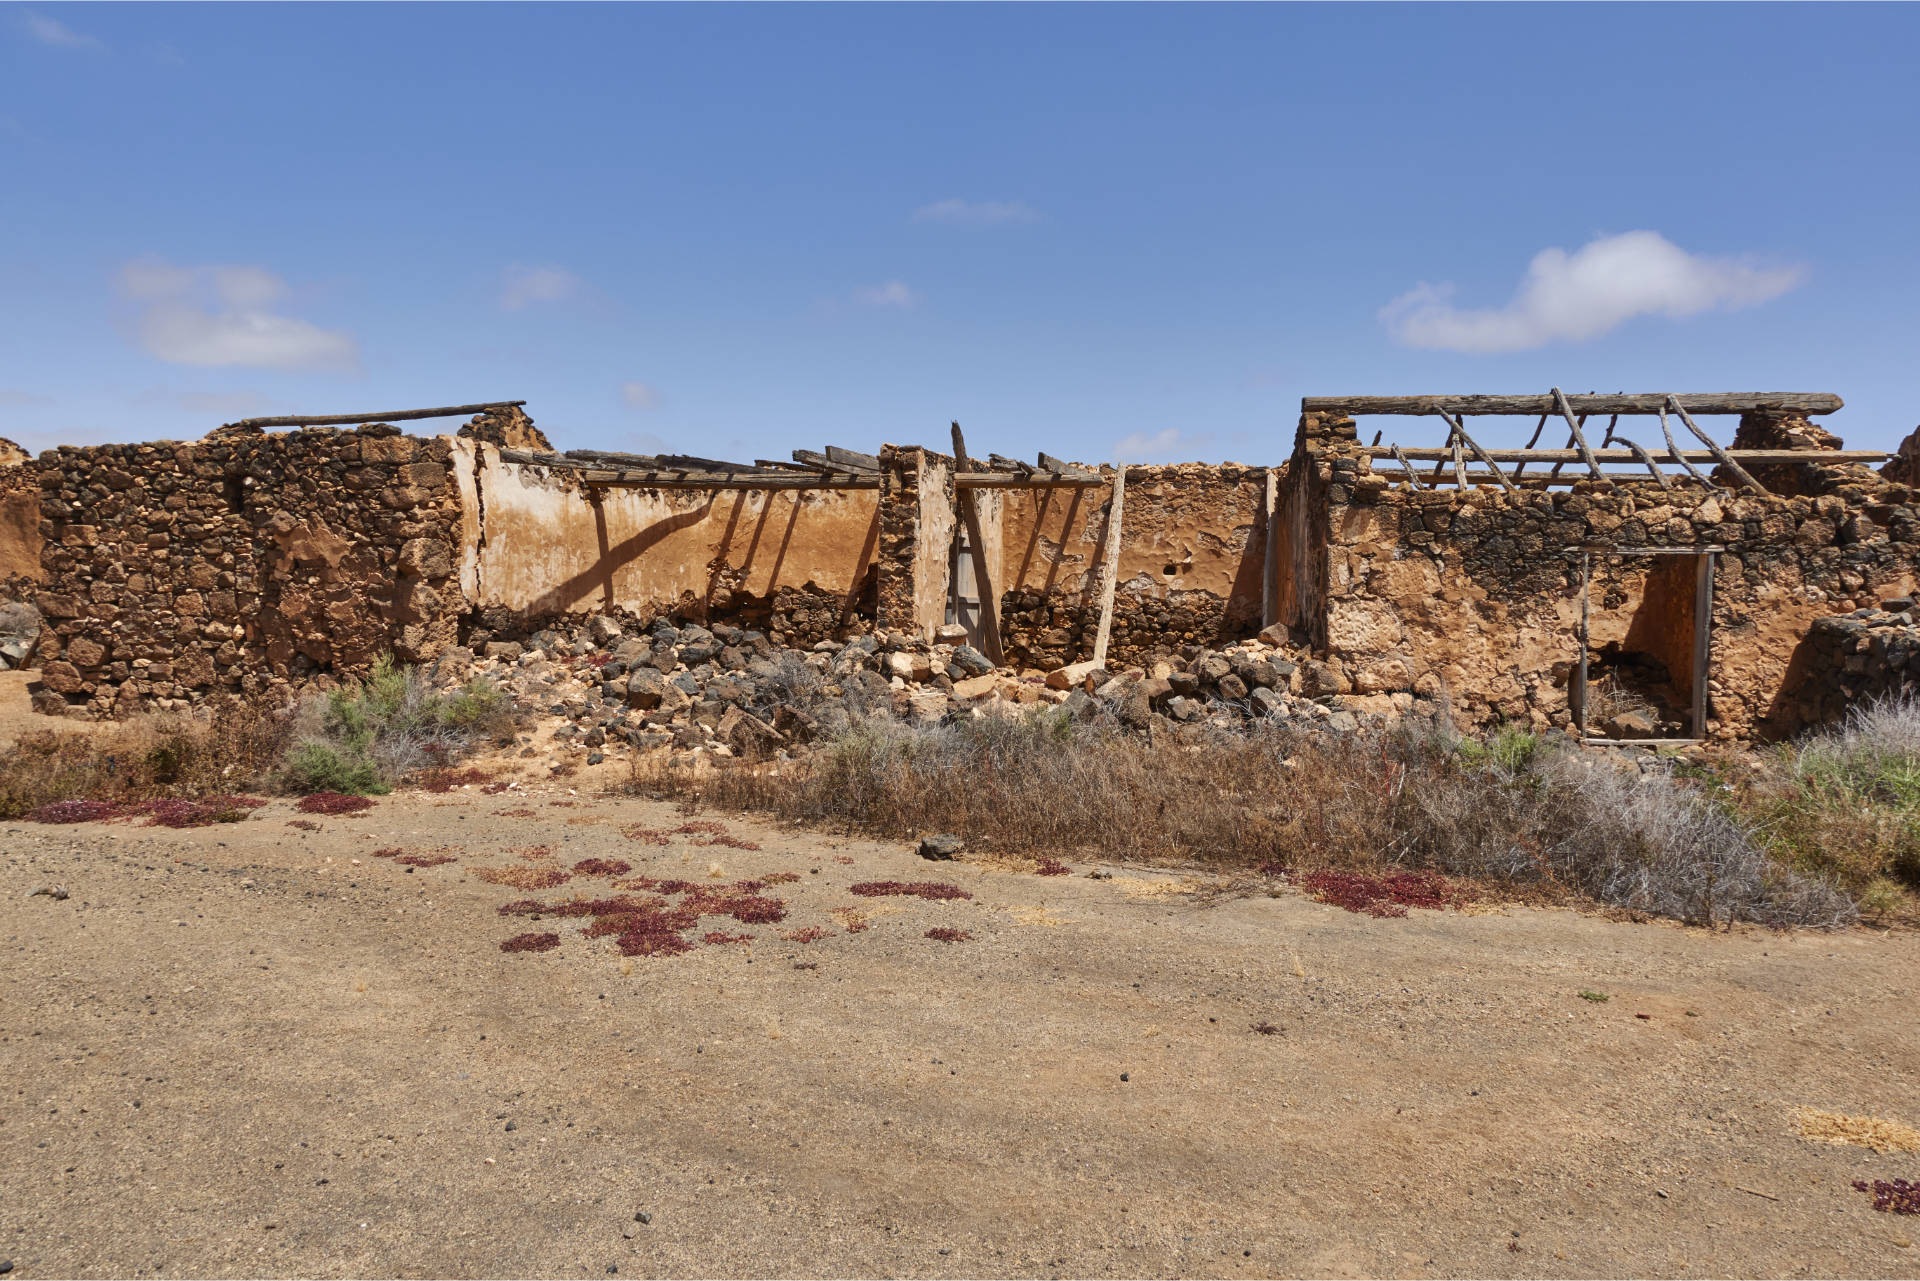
{"x": 1144, "y": 231}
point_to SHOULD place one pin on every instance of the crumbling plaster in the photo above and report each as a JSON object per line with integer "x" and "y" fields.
{"x": 537, "y": 542}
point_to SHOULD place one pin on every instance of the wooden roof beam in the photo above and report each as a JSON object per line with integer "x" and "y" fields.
{"x": 389, "y": 416}
{"x": 1590, "y": 405}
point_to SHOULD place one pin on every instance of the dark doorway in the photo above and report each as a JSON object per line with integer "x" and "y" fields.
{"x": 1645, "y": 627}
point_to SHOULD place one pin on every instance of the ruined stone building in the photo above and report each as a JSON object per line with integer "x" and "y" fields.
{"x": 1622, "y": 590}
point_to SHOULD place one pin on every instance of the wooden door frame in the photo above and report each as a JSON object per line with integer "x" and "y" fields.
{"x": 1702, "y": 641}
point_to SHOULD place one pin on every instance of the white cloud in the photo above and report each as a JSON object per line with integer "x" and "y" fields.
{"x": 894, "y": 293}
{"x": 526, "y": 285}
{"x": 1573, "y": 297}
{"x": 639, "y": 395}
{"x": 1139, "y": 447}
{"x": 54, "y": 32}
{"x": 977, "y": 213}
{"x": 217, "y": 316}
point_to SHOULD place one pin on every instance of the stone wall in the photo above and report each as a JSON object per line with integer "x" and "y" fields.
{"x": 238, "y": 564}
{"x": 1856, "y": 658}
{"x": 1192, "y": 555}
{"x": 247, "y": 563}
{"x": 1477, "y": 593}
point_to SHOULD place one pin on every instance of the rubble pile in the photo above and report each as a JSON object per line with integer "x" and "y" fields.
{"x": 1867, "y": 654}
{"x": 732, "y": 693}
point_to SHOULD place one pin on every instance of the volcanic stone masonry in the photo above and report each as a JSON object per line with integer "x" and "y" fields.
{"x": 248, "y": 563}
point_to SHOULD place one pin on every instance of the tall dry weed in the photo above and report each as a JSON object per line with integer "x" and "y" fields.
{"x": 1513, "y": 808}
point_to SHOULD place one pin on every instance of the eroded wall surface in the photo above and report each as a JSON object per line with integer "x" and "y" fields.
{"x": 541, "y": 544}
{"x": 1478, "y": 591}
{"x": 1192, "y": 554}
{"x": 239, "y": 564}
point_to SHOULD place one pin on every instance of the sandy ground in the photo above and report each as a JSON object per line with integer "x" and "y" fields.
{"x": 238, "y": 1051}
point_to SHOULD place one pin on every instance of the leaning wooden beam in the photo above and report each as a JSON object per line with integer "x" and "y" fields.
{"x": 1002, "y": 463}
{"x": 977, "y": 545}
{"x": 595, "y": 473}
{"x": 852, "y": 458}
{"x": 1674, "y": 452}
{"x": 820, "y": 462}
{"x": 611, "y": 456}
{"x": 1699, "y": 403}
{"x": 1532, "y": 441}
{"x": 792, "y": 476}
{"x": 1554, "y": 474}
{"x": 1110, "y": 564}
{"x": 390, "y": 416}
{"x": 1270, "y": 560}
{"x": 1413, "y": 477}
{"x": 705, "y": 464}
{"x": 1049, "y": 463}
{"x": 1726, "y": 460}
{"x": 1646, "y": 458}
{"x": 1566, "y": 412}
{"x": 1460, "y": 435}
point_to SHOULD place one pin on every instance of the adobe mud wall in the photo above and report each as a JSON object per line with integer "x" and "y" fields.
{"x": 536, "y": 543}
{"x": 1192, "y": 555}
{"x": 1477, "y": 592}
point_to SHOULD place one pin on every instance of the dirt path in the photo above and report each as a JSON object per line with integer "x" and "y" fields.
{"x": 233, "y": 1051}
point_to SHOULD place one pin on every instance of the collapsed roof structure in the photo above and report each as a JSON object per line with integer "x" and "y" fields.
{"x": 1618, "y": 586}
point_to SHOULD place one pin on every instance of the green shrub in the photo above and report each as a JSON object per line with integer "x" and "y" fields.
{"x": 364, "y": 737}
{"x": 314, "y": 766}
{"x": 1845, "y": 804}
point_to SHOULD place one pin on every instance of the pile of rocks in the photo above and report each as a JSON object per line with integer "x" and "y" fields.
{"x": 19, "y": 633}
{"x": 732, "y": 692}
{"x": 1867, "y": 654}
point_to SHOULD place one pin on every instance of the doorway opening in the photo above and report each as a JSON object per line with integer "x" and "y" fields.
{"x": 1646, "y": 618}
{"x": 963, "y": 592}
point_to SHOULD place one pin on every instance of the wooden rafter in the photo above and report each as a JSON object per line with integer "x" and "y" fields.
{"x": 1590, "y": 405}
{"x": 1726, "y": 460}
{"x": 387, "y": 416}
{"x": 1566, "y": 412}
{"x": 1459, "y": 431}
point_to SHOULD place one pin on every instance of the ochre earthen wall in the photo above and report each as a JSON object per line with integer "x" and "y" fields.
{"x": 1192, "y": 553}
{"x": 542, "y": 544}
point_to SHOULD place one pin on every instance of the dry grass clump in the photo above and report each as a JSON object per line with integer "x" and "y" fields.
{"x": 1882, "y": 1135}
{"x": 1844, "y": 804}
{"x": 917, "y": 889}
{"x": 524, "y": 878}
{"x": 333, "y": 803}
{"x": 151, "y": 758}
{"x": 947, "y": 934}
{"x": 1417, "y": 797}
